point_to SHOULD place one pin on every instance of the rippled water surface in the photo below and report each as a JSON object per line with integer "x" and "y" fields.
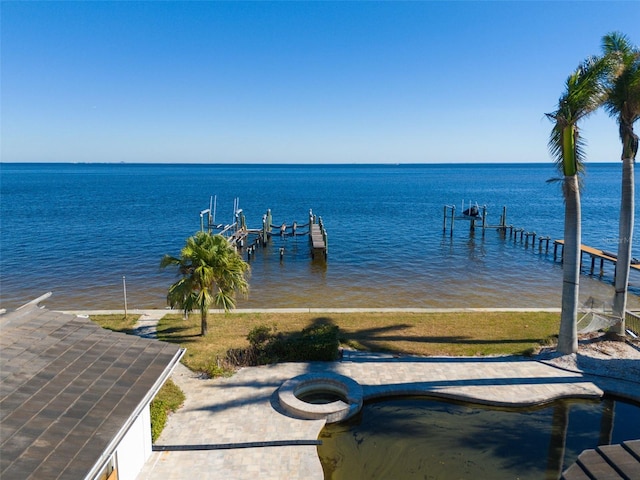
{"x": 77, "y": 229}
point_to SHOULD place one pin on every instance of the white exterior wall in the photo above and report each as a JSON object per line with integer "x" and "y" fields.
{"x": 135, "y": 448}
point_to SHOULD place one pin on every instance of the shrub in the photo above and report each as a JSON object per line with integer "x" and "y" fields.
{"x": 159, "y": 414}
{"x": 314, "y": 343}
{"x": 219, "y": 368}
{"x": 260, "y": 335}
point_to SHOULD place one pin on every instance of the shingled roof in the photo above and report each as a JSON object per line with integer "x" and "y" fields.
{"x": 69, "y": 390}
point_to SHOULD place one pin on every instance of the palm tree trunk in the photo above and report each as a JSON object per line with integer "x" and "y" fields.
{"x": 568, "y": 336}
{"x": 624, "y": 243}
{"x": 204, "y": 327}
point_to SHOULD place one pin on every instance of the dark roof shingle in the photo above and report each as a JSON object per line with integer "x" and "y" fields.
{"x": 67, "y": 388}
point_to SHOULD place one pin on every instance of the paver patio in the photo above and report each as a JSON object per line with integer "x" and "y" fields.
{"x": 243, "y": 409}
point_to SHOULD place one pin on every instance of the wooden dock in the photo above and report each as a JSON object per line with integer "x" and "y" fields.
{"x": 317, "y": 238}
{"x": 244, "y": 238}
{"x": 318, "y": 245}
{"x": 594, "y": 253}
{"x": 607, "y": 462}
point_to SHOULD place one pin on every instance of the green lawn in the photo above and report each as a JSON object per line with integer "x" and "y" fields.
{"x": 451, "y": 334}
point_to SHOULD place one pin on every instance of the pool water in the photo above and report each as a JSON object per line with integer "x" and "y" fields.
{"x": 321, "y": 397}
{"x": 421, "y": 438}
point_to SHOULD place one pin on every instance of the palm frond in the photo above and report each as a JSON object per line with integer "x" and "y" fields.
{"x": 225, "y": 300}
{"x": 623, "y": 88}
{"x": 584, "y": 93}
{"x": 616, "y": 42}
{"x": 169, "y": 260}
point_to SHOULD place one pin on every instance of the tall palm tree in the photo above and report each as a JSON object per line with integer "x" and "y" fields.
{"x": 623, "y": 103}
{"x": 582, "y": 96}
{"x": 212, "y": 272}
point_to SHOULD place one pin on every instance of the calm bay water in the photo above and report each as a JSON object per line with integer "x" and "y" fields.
{"x": 77, "y": 229}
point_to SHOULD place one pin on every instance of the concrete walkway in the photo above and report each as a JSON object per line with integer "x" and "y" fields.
{"x": 147, "y": 324}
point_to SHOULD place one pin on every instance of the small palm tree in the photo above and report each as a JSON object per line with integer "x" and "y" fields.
{"x": 583, "y": 95}
{"x": 623, "y": 103}
{"x": 212, "y": 272}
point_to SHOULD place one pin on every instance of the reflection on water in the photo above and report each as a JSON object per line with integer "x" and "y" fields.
{"x": 416, "y": 438}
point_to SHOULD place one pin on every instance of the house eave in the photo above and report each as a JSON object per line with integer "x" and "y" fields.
{"x": 111, "y": 448}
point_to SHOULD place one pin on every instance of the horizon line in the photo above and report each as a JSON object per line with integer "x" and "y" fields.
{"x": 392, "y": 164}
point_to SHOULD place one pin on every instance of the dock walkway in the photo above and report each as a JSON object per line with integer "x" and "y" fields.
{"x": 318, "y": 239}
{"x": 607, "y": 462}
{"x": 594, "y": 253}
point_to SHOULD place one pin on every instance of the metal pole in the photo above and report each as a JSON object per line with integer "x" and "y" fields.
{"x": 124, "y": 289}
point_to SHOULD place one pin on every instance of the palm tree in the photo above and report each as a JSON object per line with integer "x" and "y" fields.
{"x": 212, "y": 272}
{"x": 623, "y": 103}
{"x": 583, "y": 95}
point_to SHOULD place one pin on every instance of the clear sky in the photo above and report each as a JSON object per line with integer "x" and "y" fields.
{"x": 296, "y": 82}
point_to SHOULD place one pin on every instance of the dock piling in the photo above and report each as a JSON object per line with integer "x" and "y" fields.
{"x": 503, "y": 218}
{"x": 544, "y": 239}
{"x": 448, "y": 208}
{"x": 444, "y": 220}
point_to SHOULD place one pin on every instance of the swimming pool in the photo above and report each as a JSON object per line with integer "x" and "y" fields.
{"x": 419, "y": 437}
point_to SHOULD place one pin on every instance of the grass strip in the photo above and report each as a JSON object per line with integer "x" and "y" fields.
{"x": 169, "y": 398}
{"x": 116, "y": 322}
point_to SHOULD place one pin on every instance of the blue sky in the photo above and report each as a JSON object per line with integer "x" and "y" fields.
{"x": 296, "y": 82}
